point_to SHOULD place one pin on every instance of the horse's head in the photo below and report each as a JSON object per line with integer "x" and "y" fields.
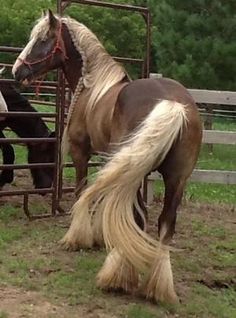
{"x": 44, "y": 52}
{"x": 43, "y": 152}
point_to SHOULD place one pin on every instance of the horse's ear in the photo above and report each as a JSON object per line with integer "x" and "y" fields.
{"x": 52, "y": 19}
{"x": 44, "y": 13}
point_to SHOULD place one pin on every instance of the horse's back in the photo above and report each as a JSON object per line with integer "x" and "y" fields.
{"x": 138, "y": 98}
{"x": 148, "y": 91}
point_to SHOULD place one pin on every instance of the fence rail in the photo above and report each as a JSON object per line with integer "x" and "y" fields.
{"x": 59, "y": 87}
{"x": 213, "y": 97}
{"x": 219, "y": 137}
{"x": 210, "y": 137}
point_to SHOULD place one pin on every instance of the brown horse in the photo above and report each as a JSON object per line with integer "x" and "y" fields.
{"x": 147, "y": 124}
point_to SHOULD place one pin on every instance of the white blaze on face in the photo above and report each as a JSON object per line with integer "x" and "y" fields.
{"x": 26, "y": 51}
{"x": 3, "y": 106}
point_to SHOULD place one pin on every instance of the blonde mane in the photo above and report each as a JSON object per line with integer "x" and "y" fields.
{"x": 99, "y": 72}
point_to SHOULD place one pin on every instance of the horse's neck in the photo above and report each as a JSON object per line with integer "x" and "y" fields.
{"x": 73, "y": 64}
{"x": 72, "y": 71}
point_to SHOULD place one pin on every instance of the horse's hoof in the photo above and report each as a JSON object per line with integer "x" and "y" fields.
{"x": 70, "y": 247}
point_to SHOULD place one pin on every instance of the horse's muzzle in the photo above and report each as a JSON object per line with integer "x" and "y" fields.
{"x": 23, "y": 75}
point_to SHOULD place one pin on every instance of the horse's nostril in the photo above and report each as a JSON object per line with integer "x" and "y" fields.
{"x": 21, "y": 73}
{"x": 17, "y": 75}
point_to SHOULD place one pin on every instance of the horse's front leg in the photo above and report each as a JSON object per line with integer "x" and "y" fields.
{"x": 80, "y": 154}
{"x": 80, "y": 233}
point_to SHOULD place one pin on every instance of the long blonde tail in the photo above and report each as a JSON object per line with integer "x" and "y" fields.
{"x": 114, "y": 192}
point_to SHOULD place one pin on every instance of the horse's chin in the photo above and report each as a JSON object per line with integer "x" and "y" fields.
{"x": 26, "y": 82}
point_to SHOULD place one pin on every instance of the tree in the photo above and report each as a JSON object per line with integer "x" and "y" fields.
{"x": 122, "y": 33}
{"x": 17, "y": 19}
{"x": 194, "y": 42}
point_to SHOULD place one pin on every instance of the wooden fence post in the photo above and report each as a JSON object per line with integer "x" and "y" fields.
{"x": 208, "y": 123}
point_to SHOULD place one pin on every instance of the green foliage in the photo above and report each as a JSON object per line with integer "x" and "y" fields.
{"x": 194, "y": 42}
{"x": 115, "y": 28}
{"x": 17, "y": 18}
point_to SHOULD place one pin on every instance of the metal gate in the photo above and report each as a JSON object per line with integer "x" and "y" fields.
{"x": 60, "y": 89}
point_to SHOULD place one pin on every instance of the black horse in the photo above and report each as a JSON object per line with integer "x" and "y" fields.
{"x": 26, "y": 127}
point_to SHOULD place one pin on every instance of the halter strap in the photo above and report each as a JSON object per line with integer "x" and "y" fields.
{"x": 56, "y": 48}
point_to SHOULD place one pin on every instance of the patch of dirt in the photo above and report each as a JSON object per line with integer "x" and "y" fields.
{"x": 23, "y": 181}
{"x": 19, "y": 303}
{"x": 218, "y": 284}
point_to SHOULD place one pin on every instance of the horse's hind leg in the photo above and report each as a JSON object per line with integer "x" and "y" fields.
{"x": 173, "y": 195}
{"x": 175, "y": 171}
{"x": 80, "y": 154}
{"x": 159, "y": 285}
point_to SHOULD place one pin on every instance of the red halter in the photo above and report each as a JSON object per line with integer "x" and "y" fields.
{"x": 56, "y": 48}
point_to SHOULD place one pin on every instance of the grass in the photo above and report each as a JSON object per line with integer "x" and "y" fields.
{"x": 206, "y": 192}
{"x": 137, "y": 311}
{"x": 31, "y": 259}
{"x": 222, "y": 157}
{"x": 216, "y": 305}
{"x": 202, "y": 192}
{"x": 224, "y": 124}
